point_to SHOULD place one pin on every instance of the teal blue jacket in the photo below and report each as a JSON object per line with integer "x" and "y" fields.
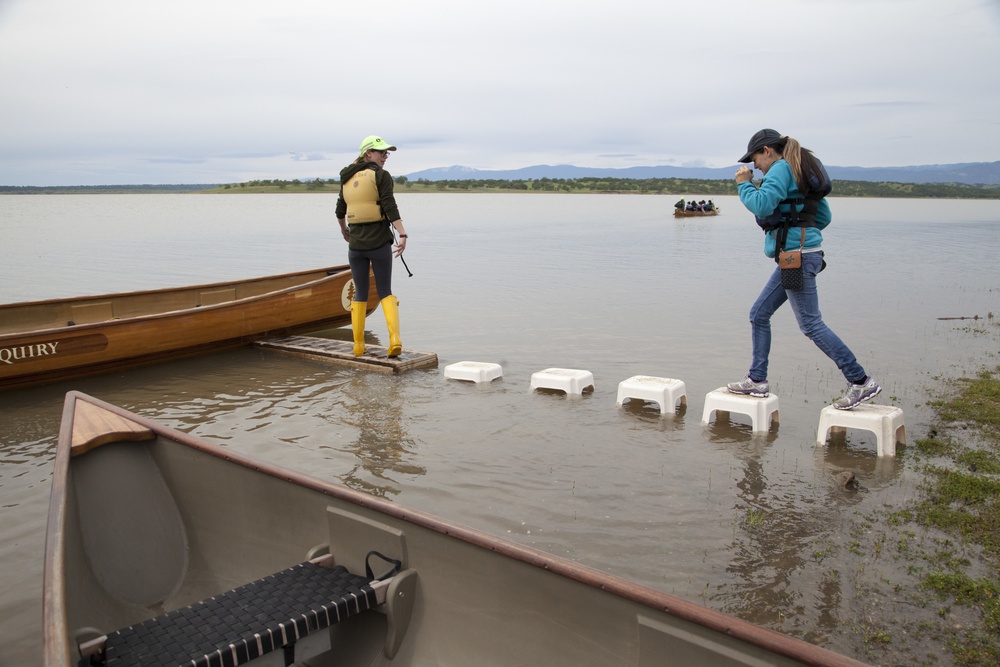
{"x": 779, "y": 184}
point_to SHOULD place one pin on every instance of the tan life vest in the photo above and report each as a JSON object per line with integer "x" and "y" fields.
{"x": 361, "y": 196}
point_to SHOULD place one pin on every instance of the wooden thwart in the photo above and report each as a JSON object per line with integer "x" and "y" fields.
{"x": 342, "y": 352}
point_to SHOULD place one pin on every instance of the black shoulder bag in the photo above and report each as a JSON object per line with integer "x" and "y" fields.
{"x": 789, "y": 261}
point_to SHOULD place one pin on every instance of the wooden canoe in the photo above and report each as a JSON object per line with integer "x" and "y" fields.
{"x": 42, "y": 341}
{"x": 695, "y": 214}
{"x": 149, "y": 527}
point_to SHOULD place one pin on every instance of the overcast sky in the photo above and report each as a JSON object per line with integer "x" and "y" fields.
{"x": 205, "y": 91}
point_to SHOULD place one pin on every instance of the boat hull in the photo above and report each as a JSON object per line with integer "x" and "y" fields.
{"x": 221, "y": 520}
{"x": 695, "y": 214}
{"x": 66, "y": 338}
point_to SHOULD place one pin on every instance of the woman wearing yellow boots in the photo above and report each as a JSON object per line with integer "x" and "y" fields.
{"x": 367, "y": 213}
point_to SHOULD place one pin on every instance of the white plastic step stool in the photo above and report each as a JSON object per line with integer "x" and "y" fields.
{"x": 663, "y": 391}
{"x": 886, "y": 421}
{"x": 566, "y": 379}
{"x": 473, "y": 371}
{"x": 761, "y": 410}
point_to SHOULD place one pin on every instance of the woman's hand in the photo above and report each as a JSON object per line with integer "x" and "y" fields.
{"x": 346, "y": 233}
{"x": 744, "y": 174}
{"x": 400, "y": 247}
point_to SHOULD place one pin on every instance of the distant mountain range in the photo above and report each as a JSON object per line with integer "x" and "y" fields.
{"x": 968, "y": 173}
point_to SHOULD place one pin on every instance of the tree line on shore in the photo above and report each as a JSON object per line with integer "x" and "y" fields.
{"x": 655, "y": 186}
{"x": 661, "y": 186}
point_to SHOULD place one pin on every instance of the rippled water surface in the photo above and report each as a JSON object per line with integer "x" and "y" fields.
{"x": 610, "y": 284}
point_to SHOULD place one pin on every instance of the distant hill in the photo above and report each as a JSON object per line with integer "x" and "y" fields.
{"x": 987, "y": 173}
{"x": 103, "y": 189}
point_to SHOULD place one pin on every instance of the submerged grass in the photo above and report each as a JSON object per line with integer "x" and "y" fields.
{"x": 978, "y": 403}
{"x": 961, "y": 498}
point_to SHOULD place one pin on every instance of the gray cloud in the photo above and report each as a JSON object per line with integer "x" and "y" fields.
{"x": 233, "y": 90}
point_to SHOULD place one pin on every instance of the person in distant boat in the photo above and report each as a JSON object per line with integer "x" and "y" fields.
{"x": 709, "y": 206}
{"x": 692, "y": 206}
{"x": 790, "y": 203}
{"x": 367, "y": 213}
{"x": 679, "y": 205}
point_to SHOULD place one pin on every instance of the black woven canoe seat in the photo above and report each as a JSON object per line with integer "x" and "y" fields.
{"x": 233, "y": 628}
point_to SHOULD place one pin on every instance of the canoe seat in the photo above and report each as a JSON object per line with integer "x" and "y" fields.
{"x": 90, "y": 313}
{"x": 248, "y": 622}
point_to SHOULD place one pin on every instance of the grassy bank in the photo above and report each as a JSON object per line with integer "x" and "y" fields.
{"x": 673, "y": 187}
{"x": 961, "y": 461}
{"x": 943, "y": 546}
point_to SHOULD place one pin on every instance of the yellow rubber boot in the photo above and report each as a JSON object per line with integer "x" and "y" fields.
{"x": 390, "y": 306}
{"x": 358, "y": 309}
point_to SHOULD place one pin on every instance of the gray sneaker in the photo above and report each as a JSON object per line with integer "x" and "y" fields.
{"x": 858, "y": 393}
{"x": 746, "y": 386}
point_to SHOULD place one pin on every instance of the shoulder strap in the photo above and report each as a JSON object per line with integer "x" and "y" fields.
{"x": 781, "y": 235}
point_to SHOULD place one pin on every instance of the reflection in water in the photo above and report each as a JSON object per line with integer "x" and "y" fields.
{"x": 770, "y": 538}
{"x": 301, "y": 417}
{"x": 782, "y": 536}
{"x": 30, "y": 452}
{"x": 839, "y": 452}
{"x": 373, "y": 404}
{"x": 774, "y": 533}
{"x": 723, "y": 430}
{"x": 648, "y": 413}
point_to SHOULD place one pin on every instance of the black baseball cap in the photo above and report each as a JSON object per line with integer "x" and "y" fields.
{"x": 765, "y": 137}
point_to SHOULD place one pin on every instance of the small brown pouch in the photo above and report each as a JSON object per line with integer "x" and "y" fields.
{"x": 790, "y": 259}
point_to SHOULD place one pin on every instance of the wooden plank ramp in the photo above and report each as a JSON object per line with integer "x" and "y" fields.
{"x": 342, "y": 352}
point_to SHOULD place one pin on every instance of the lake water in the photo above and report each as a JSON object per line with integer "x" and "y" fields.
{"x": 608, "y": 283}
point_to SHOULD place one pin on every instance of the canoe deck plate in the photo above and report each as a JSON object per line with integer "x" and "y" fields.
{"x": 342, "y": 352}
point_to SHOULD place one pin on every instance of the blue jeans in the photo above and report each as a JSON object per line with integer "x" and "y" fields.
{"x": 805, "y": 305}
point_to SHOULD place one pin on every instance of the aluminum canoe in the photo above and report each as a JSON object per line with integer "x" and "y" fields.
{"x": 145, "y": 522}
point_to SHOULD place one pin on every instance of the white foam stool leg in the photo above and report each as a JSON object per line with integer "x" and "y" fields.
{"x": 762, "y": 411}
{"x": 473, "y": 371}
{"x": 663, "y": 391}
{"x": 570, "y": 380}
{"x": 886, "y": 421}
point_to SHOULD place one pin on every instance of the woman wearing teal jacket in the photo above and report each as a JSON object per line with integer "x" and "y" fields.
{"x": 367, "y": 213}
{"x": 792, "y": 178}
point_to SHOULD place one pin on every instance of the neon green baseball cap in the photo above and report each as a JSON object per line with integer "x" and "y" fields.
{"x": 374, "y": 143}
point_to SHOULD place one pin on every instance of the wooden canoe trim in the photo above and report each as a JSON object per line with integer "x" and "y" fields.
{"x": 94, "y": 426}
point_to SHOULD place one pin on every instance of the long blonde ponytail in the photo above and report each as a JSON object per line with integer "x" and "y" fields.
{"x": 805, "y": 167}
{"x": 793, "y": 156}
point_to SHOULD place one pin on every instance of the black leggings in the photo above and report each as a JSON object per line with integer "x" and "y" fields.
{"x": 380, "y": 261}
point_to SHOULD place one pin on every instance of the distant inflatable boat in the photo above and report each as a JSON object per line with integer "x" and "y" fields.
{"x": 678, "y": 213}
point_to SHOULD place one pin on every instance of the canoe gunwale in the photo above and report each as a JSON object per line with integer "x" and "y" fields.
{"x": 9, "y": 338}
{"x": 330, "y": 270}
